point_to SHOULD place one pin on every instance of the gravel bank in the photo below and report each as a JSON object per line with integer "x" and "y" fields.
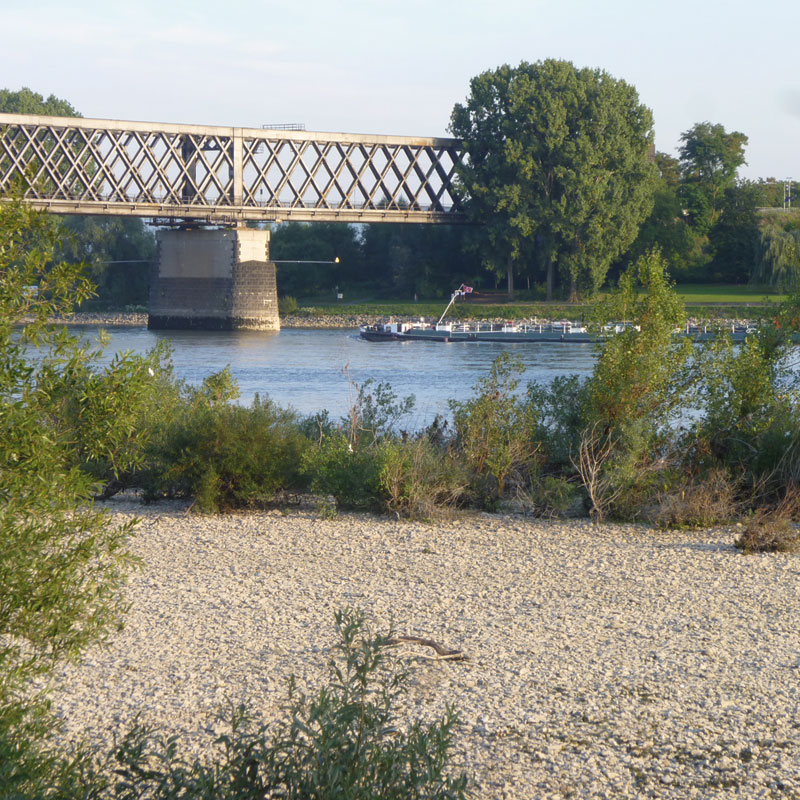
{"x": 109, "y": 319}
{"x": 349, "y": 321}
{"x": 338, "y": 321}
{"x": 616, "y": 662}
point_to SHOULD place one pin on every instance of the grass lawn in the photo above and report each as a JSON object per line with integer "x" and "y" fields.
{"x": 457, "y": 311}
{"x": 701, "y": 300}
{"x": 721, "y": 294}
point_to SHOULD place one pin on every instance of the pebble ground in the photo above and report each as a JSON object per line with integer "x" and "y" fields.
{"x": 604, "y": 662}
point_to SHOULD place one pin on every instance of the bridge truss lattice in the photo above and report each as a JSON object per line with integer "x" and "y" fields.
{"x": 226, "y": 175}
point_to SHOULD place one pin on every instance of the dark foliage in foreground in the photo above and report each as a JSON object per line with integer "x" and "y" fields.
{"x": 346, "y": 740}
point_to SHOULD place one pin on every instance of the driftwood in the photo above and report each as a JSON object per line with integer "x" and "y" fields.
{"x": 442, "y": 653}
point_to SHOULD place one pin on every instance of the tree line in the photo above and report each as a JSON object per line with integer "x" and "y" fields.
{"x": 563, "y": 187}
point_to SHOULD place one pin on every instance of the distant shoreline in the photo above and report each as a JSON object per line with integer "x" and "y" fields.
{"x": 126, "y": 319}
{"x": 344, "y": 321}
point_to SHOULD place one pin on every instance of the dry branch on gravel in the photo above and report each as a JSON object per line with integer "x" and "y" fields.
{"x": 442, "y": 653}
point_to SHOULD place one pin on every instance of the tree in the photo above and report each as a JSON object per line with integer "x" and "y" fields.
{"x": 118, "y": 249}
{"x": 27, "y": 102}
{"x": 428, "y": 260}
{"x": 298, "y": 242}
{"x": 493, "y": 429}
{"x": 393, "y": 260}
{"x": 777, "y": 261}
{"x": 667, "y": 228}
{"x": 734, "y": 239}
{"x": 709, "y": 159}
{"x": 557, "y": 169}
{"x": 119, "y": 252}
{"x": 637, "y": 387}
{"x": 772, "y": 192}
{"x": 391, "y": 257}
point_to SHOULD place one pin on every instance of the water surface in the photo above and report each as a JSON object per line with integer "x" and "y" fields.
{"x": 311, "y": 370}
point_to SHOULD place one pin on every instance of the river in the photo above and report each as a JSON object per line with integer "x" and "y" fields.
{"x": 308, "y": 369}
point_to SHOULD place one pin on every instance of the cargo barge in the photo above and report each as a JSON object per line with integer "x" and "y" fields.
{"x": 522, "y": 332}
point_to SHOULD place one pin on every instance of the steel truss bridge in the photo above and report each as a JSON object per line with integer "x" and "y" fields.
{"x": 220, "y": 175}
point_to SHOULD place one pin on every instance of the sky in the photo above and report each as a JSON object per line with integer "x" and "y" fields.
{"x": 372, "y": 66}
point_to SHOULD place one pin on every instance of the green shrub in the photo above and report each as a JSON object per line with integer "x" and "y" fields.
{"x": 348, "y": 459}
{"x": 316, "y": 426}
{"x": 750, "y": 421}
{"x": 287, "y": 305}
{"x": 636, "y": 390}
{"x": 419, "y": 480}
{"x": 105, "y": 414}
{"x": 30, "y": 767}
{"x": 62, "y": 563}
{"x": 351, "y": 475}
{"x": 224, "y": 455}
{"x": 345, "y": 741}
{"x": 558, "y": 412}
{"x": 375, "y": 412}
{"x": 494, "y": 430}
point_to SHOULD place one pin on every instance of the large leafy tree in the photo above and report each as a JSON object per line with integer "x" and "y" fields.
{"x": 704, "y": 220}
{"x": 391, "y": 260}
{"x": 26, "y": 101}
{"x": 558, "y": 168}
{"x": 118, "y": 251}
{"x": 734, "y": 239}
{"x": 428, "y": 260}
{"x": 667, "y": 228}
{"x": 295, "y": 244}
{"x": 709, "y": 160}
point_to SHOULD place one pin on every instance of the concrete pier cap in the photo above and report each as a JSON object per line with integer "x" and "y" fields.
{"x": 214, "y": 279}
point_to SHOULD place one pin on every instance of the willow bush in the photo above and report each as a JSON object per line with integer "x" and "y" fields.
{"x": 750, "y": 420}
{"x": 62, "y": 562}
{"x": 494, "y": 431}
{"x": 224, "y": 455}
{"x": 635, "y": 392}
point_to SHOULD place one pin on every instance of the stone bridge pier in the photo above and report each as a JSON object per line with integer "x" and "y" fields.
{"x": 218, "y": 279}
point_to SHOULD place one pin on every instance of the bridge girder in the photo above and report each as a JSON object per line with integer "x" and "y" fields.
{"x": 222, "y": 175}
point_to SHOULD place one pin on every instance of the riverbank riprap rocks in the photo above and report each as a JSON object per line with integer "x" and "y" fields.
{"x": 308, "y": 321}
{"x": 612, "y": 661}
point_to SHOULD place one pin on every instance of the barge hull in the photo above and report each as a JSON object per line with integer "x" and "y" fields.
{"x": 530, "y": 337}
